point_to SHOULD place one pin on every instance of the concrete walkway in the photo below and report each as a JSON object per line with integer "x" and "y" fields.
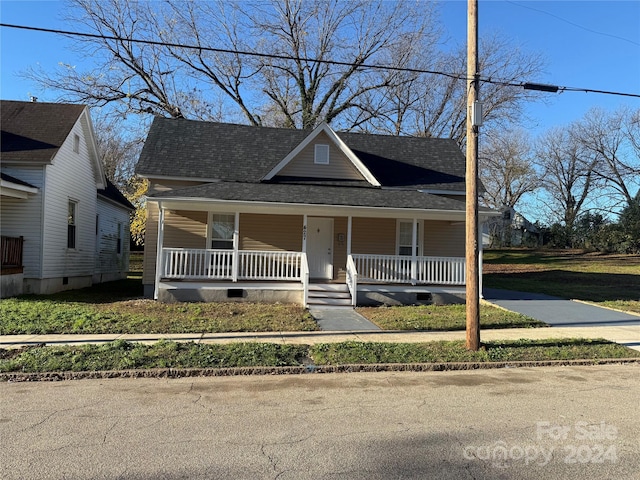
{"x": 340, "y": 319}
{"x": 626, "y": 335}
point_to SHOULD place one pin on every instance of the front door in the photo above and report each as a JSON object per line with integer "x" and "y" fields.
{"x": 320, "y": 247}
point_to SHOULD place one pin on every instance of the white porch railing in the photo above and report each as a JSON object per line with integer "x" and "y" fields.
{"x": 398, "y": 269}
{"x": 210, "y": 264}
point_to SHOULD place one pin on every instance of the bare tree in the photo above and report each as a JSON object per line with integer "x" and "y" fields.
{"x": 612, "y": 138}
{"x": 431, "y": 105}
{"x": 567, "y": 172}
{"x": 507, "y": 168}
{"x": 297, "y": 89}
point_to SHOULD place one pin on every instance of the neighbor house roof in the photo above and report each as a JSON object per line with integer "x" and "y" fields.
{"x": 33, "y": 132}
{"x": 112, "y": 193}
{"x": 182, "y": 148}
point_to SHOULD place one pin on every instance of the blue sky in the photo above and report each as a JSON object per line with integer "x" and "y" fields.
{"x": 590, "y": 44}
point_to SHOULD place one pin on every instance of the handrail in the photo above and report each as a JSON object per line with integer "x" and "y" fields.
{"x": 352, "y": 280}
{"x": 304, "y": 274}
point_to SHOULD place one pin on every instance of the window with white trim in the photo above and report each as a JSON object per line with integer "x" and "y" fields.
{"x": 76, "y": 143}
{"x": 222, "y": 228}
{"x": 321, "y": 156}
{"x": 405, "y": 237}
{"x": 72, "y": 223}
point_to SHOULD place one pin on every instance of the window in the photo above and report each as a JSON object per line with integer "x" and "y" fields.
{"x": 76, "y": 143}
{"x": 405, "y": 237}
{"x": 119, "y": 240}
{"x": 321, "y": 154}
{"x": 222, "y": 228}
{"x": 71, "y": 224}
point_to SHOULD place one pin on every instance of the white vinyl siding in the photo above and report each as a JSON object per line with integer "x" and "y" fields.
{"x": 70, "y": 173}
{"x": 23, "y": 217}
{"x": 112, "y": 225}
{"x": 304, "y": 165}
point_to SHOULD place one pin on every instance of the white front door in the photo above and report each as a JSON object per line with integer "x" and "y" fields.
{"x": 320, "y": 247}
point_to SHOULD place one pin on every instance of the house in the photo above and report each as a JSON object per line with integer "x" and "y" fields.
{"x": 240, "y": 213}
{"x": 63, "y": 224}
{"x": 510, "y": 229}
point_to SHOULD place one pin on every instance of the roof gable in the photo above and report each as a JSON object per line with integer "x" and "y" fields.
{"x": 33, "y": 133}
{"x": 349, "y": 166}
{"x": 210, "y": 151}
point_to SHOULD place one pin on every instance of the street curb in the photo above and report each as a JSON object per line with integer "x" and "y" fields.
{"x": 298, "y": 370}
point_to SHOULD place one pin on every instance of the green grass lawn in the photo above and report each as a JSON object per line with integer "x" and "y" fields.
{"x": 121, "y": 355}
{"x": 612, "y": 280}
{"x": 443, "y": 317}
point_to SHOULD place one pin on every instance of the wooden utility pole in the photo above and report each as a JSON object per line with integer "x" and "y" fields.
{"x": 472, "y": 252}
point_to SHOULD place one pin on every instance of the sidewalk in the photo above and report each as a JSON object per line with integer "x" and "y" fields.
{"x": 628, "y": 335}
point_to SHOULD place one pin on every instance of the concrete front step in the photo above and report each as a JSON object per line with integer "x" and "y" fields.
{"x": 328, "y": 287}
{"x": 329, "y": 294}
{"x": 334, "y": 302}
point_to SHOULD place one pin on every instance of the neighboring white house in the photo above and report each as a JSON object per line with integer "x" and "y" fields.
{"x": 63, "y": 224}
{"x": 510, "y": 229}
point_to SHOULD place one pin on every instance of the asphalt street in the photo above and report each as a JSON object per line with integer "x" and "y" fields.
{"x": 553, "y": 422}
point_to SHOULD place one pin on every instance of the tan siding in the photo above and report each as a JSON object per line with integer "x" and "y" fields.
{"x": 374, "y": 236}
{"x": 444, "y": 239}
{"x": 184, "y": 229}
{"x": 271, "y": 232}
{"x": 339, "y": 165}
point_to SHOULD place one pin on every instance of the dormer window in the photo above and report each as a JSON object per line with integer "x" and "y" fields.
{"x": 321, "y": 154}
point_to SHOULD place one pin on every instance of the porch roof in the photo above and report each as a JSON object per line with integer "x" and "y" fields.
{"x": 292, "y": 194}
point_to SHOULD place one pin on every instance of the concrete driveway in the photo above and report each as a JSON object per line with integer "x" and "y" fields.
{"x": 559, "y": 312}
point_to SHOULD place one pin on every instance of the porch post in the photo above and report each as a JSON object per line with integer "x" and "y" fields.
{"x": 236, "y": 245}
{"x": 414, "y": 252}
{"x": 349, "y": 224}
{"x": 304, "y": 233}
{"x": 159, "y": 257}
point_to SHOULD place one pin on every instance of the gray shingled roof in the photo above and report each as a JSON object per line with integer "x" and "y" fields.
{"x": 32, "y": 132}
{"x": 315, "y": 195}
{"x": 195, "y": 149}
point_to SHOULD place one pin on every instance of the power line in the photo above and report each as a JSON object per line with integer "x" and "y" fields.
{"x": 455, "y": 76}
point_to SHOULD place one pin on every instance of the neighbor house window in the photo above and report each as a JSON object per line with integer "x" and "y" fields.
{"x": 405, "y": 238}
{"x": 222, "y": 228}
{"x": 76, "y": 143}
{"x": 119, "y": 240}
{"x": 322, "y": 154}
{"x": 71, "y": 224}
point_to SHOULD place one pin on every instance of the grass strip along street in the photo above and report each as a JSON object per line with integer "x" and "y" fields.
{"x": 122, "y": 355}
